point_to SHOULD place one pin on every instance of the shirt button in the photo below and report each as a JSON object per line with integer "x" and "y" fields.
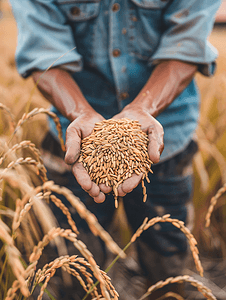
{"x": 75, "y": 11}
{"x": 115, "y": 7}
{"x": 134, "y": 19}
{"x": 116, "y": 52}
{"x": 123, "y": 96}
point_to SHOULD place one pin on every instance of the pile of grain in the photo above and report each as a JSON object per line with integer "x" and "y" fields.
{"x": 114, "y": 151}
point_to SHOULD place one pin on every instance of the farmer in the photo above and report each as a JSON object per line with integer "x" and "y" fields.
{"x": 135, "y": 59}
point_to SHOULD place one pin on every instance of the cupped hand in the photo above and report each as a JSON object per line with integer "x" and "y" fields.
{"x": 155, "y": 134}
{"x": 80, "y": 128}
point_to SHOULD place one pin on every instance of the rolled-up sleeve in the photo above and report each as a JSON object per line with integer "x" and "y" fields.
{"x": 188, "y": 24}
{"x": 44, "y": 37}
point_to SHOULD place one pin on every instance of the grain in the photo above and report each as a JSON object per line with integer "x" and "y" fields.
{"x": 116, "y": 149}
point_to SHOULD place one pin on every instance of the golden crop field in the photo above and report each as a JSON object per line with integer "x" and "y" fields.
{"x": 24, "y": 186}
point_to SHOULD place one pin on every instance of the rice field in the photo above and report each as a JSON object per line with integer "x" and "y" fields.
{"x": 25, "y": 188}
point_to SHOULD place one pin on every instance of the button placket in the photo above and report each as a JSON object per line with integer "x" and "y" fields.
{"x": 131, "y": 30}
{"x": 118, "y": 51}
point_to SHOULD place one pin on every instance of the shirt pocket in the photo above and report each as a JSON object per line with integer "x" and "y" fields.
{"x": 151, "y": 4}
{"x": 79, "y": 10}
{"x": 146, "y": 26}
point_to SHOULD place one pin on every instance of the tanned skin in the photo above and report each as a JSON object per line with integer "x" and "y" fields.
{"x": 167, "y": 81}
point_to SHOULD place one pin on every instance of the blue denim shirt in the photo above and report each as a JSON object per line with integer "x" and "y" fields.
{"x": 118, "y": 43}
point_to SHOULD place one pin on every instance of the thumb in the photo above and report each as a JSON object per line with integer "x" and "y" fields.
{"x": 73, "y": 144}
{"x": 156, "y": 144}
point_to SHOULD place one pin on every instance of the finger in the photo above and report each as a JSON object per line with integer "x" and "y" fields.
{"x": 94, "y": 191}
{"x": 156, "y": 144}
{"x": 100, "y": 198}
{"x": 105, "y": 189}
{"x": 129, "y": 184}
{"x": 73, "y": 144}
{"x": 121, "y": 193}
{"x": 84, "y": 180}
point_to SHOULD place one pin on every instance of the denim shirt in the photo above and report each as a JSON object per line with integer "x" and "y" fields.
{"x": 118, "y": 43}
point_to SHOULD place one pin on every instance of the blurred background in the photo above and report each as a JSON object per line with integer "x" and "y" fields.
{"x": 209, "y": 163}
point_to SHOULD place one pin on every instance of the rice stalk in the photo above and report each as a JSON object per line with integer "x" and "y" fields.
{"x": 12, "y": 123}
{"x": 180, "y": 225}
{"x": 41, "y": 170}
{"x": 34, "y": 112}
{"x": 110, "y": 287}
{"x": 202, "y": 172}
{"x": 21, "y": 210}
{"x": 22, "y": 145}
{"x": 179, "y": 279}
{"x": 208, "y": 131}
{"x": 13, "y": 255}
{"x": 220, "y": 126}
{"x": 68, "y": 234}
{"x": 42, "y": 211}
{"x": 81, "y": 266}
{"x": 91, "y": 220}
{"x": 20, "y": 169}
{"x": 213, "y": 202}
{"x": 171, "y": 294}
{"x": 7, "y": 212}
{"x": 48, "y": 277}
{"x": 65, "y": 211}
{"x": 215, "y": 153}
{"x": 66, "y": 262}
{"x": 85, "y": 214}
{"x": 11, "y": 293}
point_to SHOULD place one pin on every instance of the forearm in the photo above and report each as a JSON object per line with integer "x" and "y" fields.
{"x": 61, "y": 90}
{"x": 167, "y": 81}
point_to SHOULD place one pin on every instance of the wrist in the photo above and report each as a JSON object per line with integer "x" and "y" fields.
{"x": 80, "y": 109}
{"x": 144, "y": 104}
{"x": 59, "y": 88}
